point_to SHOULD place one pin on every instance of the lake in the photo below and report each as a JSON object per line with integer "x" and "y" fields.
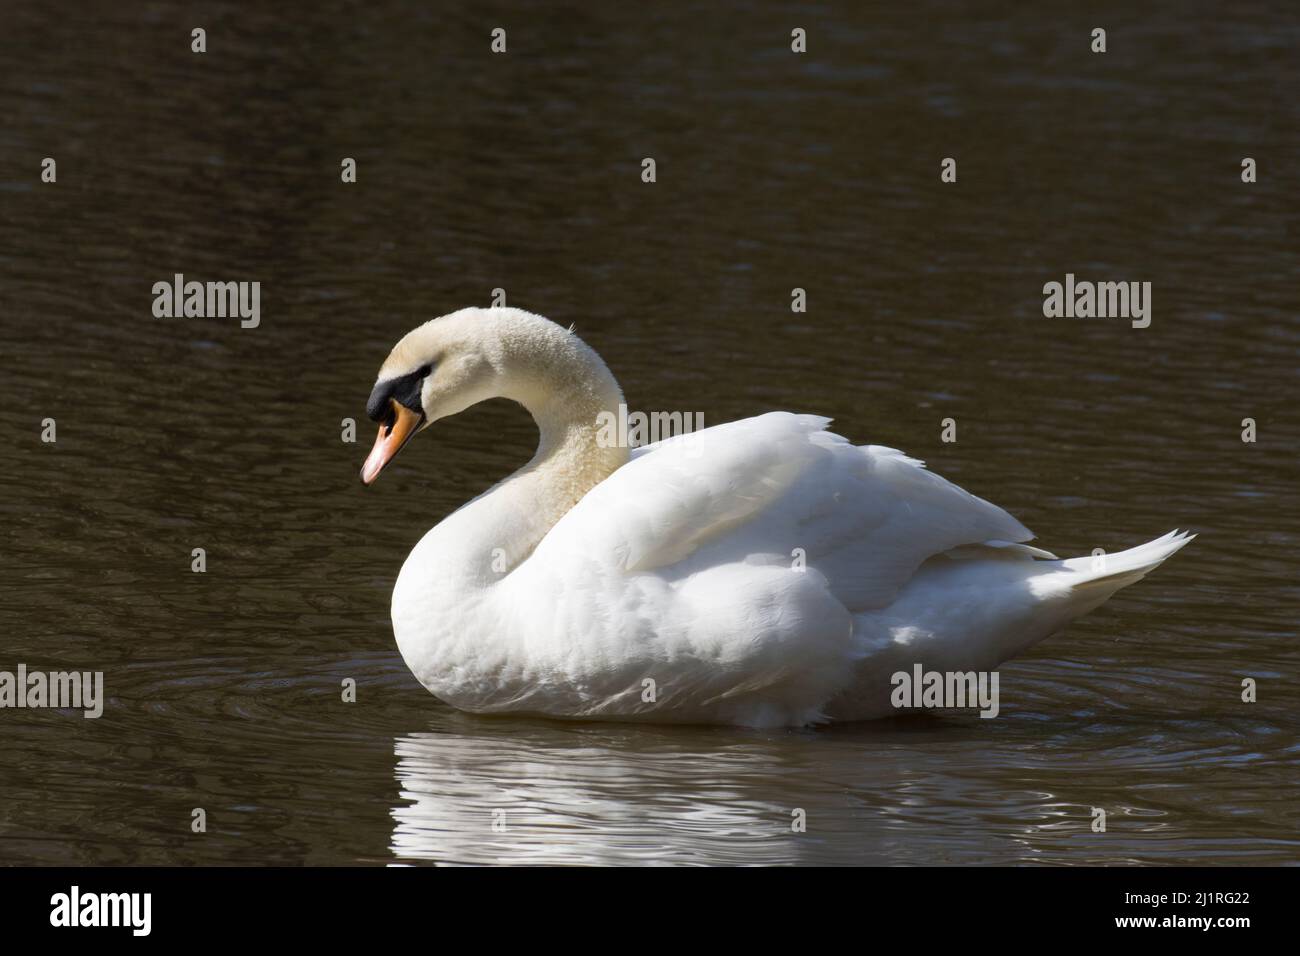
{"x": 522, "y": 172}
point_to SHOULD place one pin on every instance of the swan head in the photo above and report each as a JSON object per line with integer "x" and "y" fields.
{"x": 439, "y": 369}
{"x": 446, "y": 365}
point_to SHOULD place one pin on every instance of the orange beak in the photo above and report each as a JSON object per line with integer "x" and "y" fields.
{"x": 392, "y": 436}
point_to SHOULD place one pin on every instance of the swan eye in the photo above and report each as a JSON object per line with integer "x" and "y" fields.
{"x": 423, "y": 371}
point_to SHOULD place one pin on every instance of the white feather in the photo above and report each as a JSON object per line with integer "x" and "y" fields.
{"x": 763, "y": 572}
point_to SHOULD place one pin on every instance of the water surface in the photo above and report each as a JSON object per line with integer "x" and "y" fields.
{"x": 522, "y": 172}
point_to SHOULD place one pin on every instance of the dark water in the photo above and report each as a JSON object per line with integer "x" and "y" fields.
{"x": 522, "y": 172}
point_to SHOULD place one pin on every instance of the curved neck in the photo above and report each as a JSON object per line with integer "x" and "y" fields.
{"x": 490, "y": 536}
{"x": 517, "y": 513}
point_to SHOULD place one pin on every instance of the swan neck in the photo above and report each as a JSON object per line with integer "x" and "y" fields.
{"x": 500, "y": 529}
{"x": 570, "y": 460}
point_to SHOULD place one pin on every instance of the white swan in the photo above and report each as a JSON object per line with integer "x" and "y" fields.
{"x": 665, "y": 583}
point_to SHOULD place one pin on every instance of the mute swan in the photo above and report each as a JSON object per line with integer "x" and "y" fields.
{"x": 666, "y": 582}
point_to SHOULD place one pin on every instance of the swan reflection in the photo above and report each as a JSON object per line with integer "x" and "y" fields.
{"x": 498, "y": 793}
{"x": 484, "y": 791}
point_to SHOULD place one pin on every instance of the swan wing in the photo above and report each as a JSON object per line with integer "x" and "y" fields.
{"x": 776, "y": 489}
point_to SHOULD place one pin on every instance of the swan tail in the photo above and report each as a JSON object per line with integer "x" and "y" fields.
{"x": 1114, "y": 571}
{"x": 1076, "y": 586}
{"x": 984, "y": 608}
